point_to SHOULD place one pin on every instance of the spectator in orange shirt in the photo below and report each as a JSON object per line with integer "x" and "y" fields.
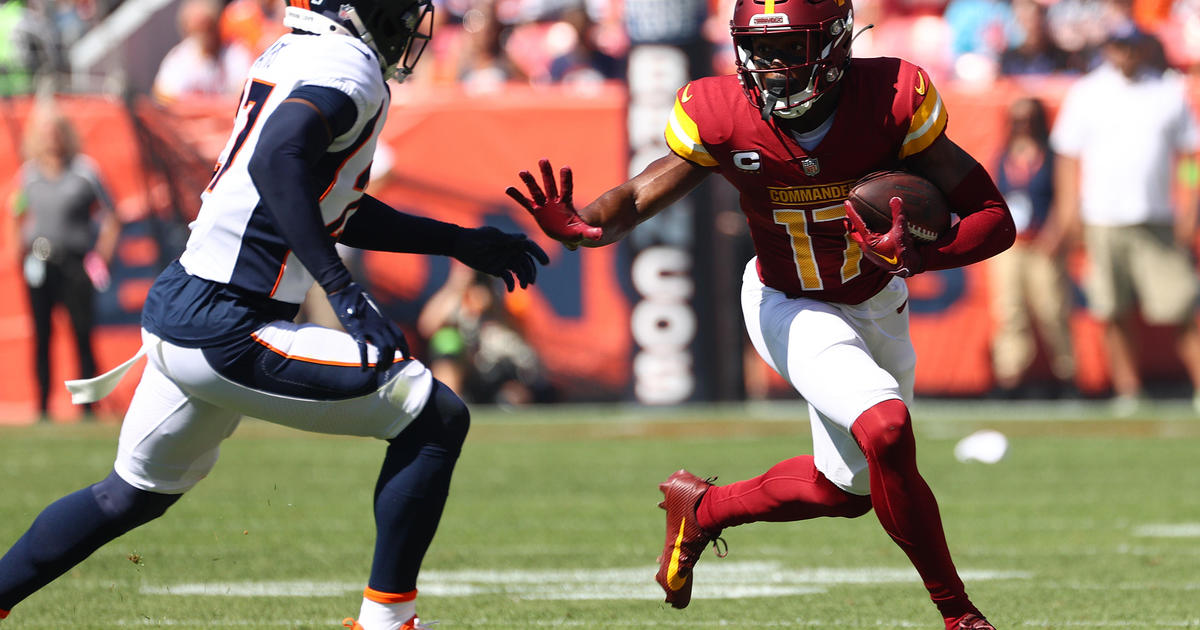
{"x": 252, "y": 24}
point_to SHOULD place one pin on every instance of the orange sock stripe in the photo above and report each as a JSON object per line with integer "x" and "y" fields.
{"x": 379, "y": 597}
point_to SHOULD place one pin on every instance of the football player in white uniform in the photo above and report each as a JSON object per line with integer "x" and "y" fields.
{"x": 217, "y": 324}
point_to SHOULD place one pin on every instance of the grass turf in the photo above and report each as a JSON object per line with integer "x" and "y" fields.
{"x": 1090, "y": 522}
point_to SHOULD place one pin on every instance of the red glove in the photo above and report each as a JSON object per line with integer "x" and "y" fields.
{"x": 554, "y": 213}
{"x": 893, "y": 251}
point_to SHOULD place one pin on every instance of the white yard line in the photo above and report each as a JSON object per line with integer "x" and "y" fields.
{"x": 725, "y": 580}
{"x": 1168, "y": 530}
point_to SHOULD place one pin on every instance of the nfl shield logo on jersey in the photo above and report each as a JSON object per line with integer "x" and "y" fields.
{"x": 811, "y": 166}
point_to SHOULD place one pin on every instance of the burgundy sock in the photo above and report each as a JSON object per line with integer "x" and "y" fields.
{"x": 792, "y": 490}
{"x": 905, "y": 504}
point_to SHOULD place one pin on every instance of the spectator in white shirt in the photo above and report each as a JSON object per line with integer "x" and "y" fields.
{"x": 201, "y": 64}
{"x": 1122, "y": 131}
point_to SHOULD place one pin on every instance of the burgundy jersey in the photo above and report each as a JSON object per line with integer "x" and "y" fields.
{"x": 792, "y": 198}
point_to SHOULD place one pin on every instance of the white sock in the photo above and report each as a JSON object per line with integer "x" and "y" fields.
{"x": 376, "y": 616}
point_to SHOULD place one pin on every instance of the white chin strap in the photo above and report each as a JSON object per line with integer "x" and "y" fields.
{"x": 793, "y": 105}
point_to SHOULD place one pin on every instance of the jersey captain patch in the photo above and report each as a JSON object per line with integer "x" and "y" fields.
{"x": 750, "y": 161}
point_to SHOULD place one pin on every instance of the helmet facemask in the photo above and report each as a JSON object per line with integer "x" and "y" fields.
{"x": 787, "y": 83}
{"x": 398, "y": 37}
{"x": 398, "y": 33}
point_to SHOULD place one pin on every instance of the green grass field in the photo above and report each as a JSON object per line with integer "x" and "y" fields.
{"x": 1090, "y": 522}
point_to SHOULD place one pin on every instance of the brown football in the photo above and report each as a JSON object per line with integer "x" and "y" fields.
{"x": 925, "y": 206}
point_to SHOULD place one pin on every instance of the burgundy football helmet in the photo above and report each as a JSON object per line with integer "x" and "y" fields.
{"x": 815, "y": 59}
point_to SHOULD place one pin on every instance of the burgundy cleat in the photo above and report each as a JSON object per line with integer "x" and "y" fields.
{"x": 685, "y": 539}
{"x": 972, "y": 621}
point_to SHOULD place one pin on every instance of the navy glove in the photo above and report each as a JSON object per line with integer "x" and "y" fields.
{"x": 500, "y": 254}
{"x": 363, "y": 321}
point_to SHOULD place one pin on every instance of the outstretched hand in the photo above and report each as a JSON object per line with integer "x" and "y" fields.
{"x": 366, "y": 324}
{"x": 892, "y": 251}
{"x": 555, "y": 213}
{"x": 510, "y": 257}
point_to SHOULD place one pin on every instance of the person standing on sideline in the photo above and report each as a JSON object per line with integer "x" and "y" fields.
{"x": 1114, "y": 173}
{"x": 217, "y": 324}
{"x": 67, "y": 230}
{"x": 824, "y": 300}
{"x": 1029, "y": 287}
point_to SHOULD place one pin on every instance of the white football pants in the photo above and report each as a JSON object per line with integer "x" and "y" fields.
{"x": 183, "y": 408}
{"x": 842, "y": 359}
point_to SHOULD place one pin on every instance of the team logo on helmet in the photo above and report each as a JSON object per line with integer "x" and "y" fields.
{"x": 769, "y": 19}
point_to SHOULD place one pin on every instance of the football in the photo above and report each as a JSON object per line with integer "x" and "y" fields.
{"x": 925, "y": 206}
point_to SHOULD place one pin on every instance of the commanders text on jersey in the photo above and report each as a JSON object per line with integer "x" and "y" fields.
{"x": 808, "y": 194}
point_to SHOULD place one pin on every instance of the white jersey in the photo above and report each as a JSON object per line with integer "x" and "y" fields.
{"x": 233, "y": 240}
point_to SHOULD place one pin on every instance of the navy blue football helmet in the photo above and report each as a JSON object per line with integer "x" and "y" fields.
{"x": 397, "y": 30}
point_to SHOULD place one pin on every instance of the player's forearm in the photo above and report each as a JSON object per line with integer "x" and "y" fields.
{"x": 379, "y": 227}
{"x": 986, "y": 228}
{"x": 615, "y": 211}
{"x": 662, "y": 183}
{"x": 292, "y": 140}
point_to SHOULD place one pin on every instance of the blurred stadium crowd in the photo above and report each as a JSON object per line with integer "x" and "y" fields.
{"x": 485, "y": 44}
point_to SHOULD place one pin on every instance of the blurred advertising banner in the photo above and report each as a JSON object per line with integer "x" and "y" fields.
{"x": 654, "y": 319}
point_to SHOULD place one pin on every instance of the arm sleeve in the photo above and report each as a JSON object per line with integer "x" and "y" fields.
{"x": 986, "y": 227}
{"x": 292, "y": 140}
{"x": 377, "y": 226}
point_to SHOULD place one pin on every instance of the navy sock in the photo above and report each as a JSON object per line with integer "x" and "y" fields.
{"x": 412, "y": 489}
{"x": 70, "y": 529}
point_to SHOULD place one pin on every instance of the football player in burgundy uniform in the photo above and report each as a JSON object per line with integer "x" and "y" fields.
{"x": 217, "y": 324}
{"x": 824, "y": 300}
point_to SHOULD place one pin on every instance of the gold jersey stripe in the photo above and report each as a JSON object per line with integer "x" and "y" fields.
{"x": 927, "y": 124}
{"x": 684, "y": 138}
